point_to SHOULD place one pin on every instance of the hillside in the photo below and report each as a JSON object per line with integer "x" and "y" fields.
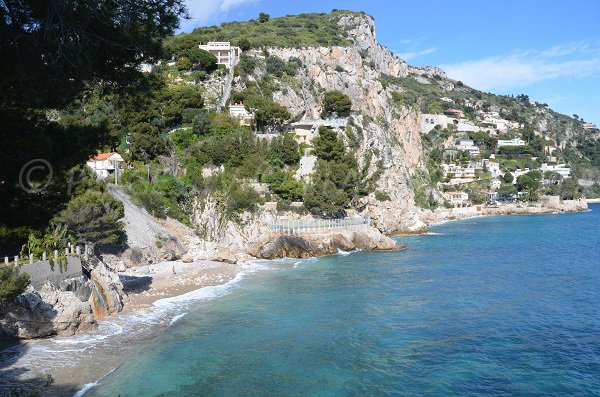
{"x": 283, "y": 76}
{"x": 303, "y": 30}
{"x": 332, "y": 125}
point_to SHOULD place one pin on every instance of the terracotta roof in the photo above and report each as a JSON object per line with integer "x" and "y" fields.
{"x": 102, "y": 156}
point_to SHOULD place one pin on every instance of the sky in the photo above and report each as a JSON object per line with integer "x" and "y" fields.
{"x": 547, "y": 49}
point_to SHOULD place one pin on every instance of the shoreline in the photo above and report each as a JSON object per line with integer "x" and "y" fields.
{"x": 156, "y": 299}
{"x": 147, "y": 284}
{"x": 443, "y": 215}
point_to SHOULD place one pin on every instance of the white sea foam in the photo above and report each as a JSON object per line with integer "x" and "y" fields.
{"x": 177, "y": 318}
{"x": 343, "y": 253}
{"x": 87, "y": 387}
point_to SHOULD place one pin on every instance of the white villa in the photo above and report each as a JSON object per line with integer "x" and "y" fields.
{"x": 459, "y": 174}
{"x": 511, "y": 142}
{"x": 563, "y": 170}
{"x": 457, "y": 198}
{"x": 467, "y": 145}
{"x": 104, "y": 164}
{"x": 238, "y": 110}
{"x": 492, "y": 167}
{"x": 225, "y": 53}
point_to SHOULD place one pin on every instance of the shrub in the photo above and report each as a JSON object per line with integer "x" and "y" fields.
{"x": 183, "y": 63}
{"x": 12, "y": 282}
{"x": 336, "y": 103}
{"x": 94, "y": 217}
{"x": 382, "y": 196}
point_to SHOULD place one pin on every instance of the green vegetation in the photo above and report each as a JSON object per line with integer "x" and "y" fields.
{"x": 58, "y": 66}
{"x": 303, "y": 30}
{"x": 12, "y": 282}
{"x": 268, "y": 113}
{"x": 337, "y": 181}
{"x": 93, "y": 217}
{"x": 336, "y": 104}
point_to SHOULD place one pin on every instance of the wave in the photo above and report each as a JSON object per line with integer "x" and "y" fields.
{"x": 177, "y": 318}
{"x": 87, "y": 387}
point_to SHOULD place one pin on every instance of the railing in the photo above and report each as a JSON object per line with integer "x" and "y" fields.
{"x": 298, "y": 226}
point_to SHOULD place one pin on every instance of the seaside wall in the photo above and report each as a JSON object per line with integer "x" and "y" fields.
{"x": 41, "y": 271}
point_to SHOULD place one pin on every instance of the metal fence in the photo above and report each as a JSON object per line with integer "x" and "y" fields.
{"x": 297, "y": 226}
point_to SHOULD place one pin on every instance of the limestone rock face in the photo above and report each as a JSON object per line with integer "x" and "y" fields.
{"x": 47, "y": 312}
{"x": 109, "y": 286}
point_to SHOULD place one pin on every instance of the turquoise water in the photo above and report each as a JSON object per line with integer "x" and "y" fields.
{"x": 488, "y": 306}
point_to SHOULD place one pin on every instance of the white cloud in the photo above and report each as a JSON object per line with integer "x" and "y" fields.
{"x": 522, "y": 68}
{"x": 414, "y": 54}
{"x": 203, "y": 12}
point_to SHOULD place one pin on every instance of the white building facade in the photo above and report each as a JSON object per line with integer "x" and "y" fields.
{"x": 511, "y": 142}
{"x": 225, "y": 53}
{"x": 238, "y": 110}
{"x": 105, "y": 164}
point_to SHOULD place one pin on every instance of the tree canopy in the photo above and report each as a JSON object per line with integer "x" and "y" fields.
{"x": 336, "y": 103}
{"x": 53, "y": 53}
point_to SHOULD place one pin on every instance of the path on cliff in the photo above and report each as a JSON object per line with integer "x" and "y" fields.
{"x": 226, "y": 90}
{"x": 142, "y": 228}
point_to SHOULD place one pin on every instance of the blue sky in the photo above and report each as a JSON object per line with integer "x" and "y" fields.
{"x": 547, "y": 49}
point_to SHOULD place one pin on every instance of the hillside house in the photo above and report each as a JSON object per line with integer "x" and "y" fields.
{"x": 238, "y": 110}
{"x": 562, "y": 169}
{"x": 455, "y": 113}
{"x": 467, "y": 145}
{"x": 457, "y": 198}
{"x": 225, "y": 53}
{"x": 105, "y": 164}
{"x": 459, "y": 174}
{"x": 492, "y": 167}
{"x": 511, "y": 142}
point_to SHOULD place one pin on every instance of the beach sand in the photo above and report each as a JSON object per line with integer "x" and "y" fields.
{"x": 144, "y": 285}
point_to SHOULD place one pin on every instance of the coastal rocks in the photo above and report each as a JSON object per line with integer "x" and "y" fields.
{"x": 281, "y": 246}
{"x": 108, "y": 290}
{"x": 43, "y": 313}
{"x": 170, "y": 250}
{"x": 445, "y": 214}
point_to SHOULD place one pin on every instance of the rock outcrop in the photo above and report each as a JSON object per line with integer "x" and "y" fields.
{"x": 64, "y": 308}
{"x": 309, "y": 245}
{"x": 49, "y": 311}
{"x": 388, "y": 140}
{"x": 109, "y": 286}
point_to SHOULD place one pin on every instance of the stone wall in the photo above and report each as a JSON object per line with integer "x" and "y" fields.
{"x": 41, "y": 271}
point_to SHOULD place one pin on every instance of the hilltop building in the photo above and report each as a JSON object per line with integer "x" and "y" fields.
{"x": 225, "y": 53}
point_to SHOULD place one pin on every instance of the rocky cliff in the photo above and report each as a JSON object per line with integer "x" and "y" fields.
{"x": 387, "y": 134}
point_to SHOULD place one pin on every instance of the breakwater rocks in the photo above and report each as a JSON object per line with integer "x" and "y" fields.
{"x": 320, "y": 244}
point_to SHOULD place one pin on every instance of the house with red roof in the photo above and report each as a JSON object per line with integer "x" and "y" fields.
{"x": 455, "y": 112}
{"x": 104, "y": 164}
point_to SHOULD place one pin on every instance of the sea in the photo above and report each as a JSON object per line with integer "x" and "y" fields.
{"x": 489, "y": 306}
